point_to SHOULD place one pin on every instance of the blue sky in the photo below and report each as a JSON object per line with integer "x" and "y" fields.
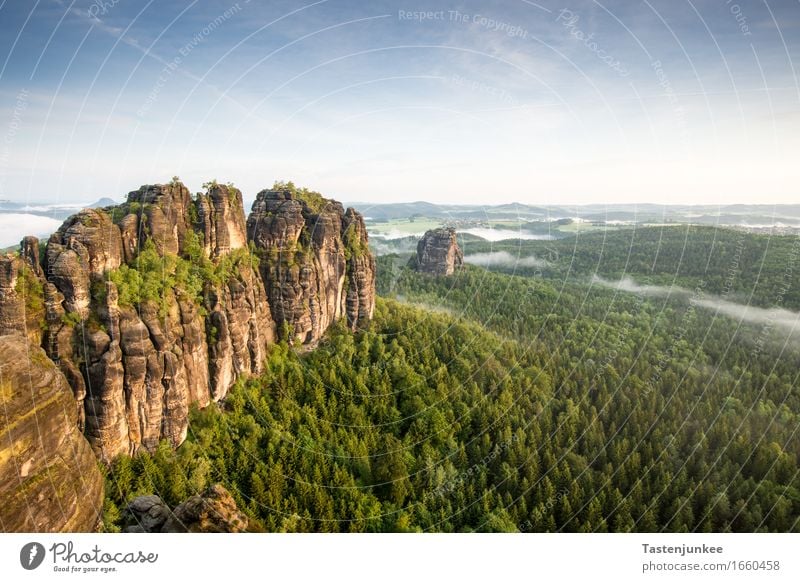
{"x": 477, "y": 102}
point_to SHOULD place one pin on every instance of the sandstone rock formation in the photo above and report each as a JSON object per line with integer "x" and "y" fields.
{"x": 315, "y": 262}
{"x": 49, "y": 480}
{"x": 12, "y": 308}
{"x": 438, "y": 252}
{"x": 145, "y": 514}
{"x": 213, "y": 511}
{"x": 22, "y": 310}
{"x": 156, "y": 304}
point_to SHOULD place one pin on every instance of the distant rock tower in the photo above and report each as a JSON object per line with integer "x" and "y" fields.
{"x": 438, "y": 252}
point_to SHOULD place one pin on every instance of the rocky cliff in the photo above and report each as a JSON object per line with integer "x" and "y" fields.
{"x": 49, "y": 479}
{"x": 438, "y": 252}
{"x": 315, "y": 262}
{"x": 165, "y": 300}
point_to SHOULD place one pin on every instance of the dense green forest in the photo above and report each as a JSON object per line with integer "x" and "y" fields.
{"x": 505, "y": 403}
{"x": 749, "y": 268}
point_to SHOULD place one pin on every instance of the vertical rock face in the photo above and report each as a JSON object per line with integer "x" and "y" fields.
{"x": 361, "y": 271}
{"x": 12, "y": 321}
{"x": 315, "y": 262}
{"x": 21, "y": 302}
{"x": 29, "y": 252}
{"x": 438, "y": 252}
{"x": 137, "y": 360}
{"x": 221, "y": 214}
{"x": 165, "y": 210}
{"x": 49, "y": 480}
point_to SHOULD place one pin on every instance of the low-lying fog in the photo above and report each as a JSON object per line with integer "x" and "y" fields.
{"x": 503, "y": 259}
{"x": 14, "y": 226}
{"x": 782, "y": 318}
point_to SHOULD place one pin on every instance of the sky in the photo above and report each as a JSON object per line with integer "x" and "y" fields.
{"x": 564, "y": 102}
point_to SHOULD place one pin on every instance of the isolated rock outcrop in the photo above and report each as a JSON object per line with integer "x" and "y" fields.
{"x": 49, "y": 479}
{"x": 212, "y": 511}
{"x": 438, "y": 252}
{"x": 137, "y": 359}
{"x": 222, "y": 222}
{"x": 315, "y": 262}
{"x": 145, "y": 514}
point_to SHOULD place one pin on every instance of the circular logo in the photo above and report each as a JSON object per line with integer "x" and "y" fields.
{"x": 31, "y": 555}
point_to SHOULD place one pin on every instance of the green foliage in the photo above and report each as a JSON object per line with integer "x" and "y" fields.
{"x": 71, "y": 318}
{"x": 504, "y": 403}
{"x": 220, "y": 271}
{"x": 122, "y": 210}
{"x": 193, "y": 215}
{"x": 233, "y": 193}
{"x": 30, "y": 288}
{"x": 354, "y": 246}
{"x": 752, "y": 268}
{"x": 154, "y": 278}
{"x": 315, "y": 201}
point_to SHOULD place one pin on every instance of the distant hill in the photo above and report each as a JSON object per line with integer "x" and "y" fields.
{"x": 103, "y": 202}
{"x": 737, "y": 214}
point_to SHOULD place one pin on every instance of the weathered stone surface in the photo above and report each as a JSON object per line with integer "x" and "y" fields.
{"x": 239, "y": 329}
{"x": 213, "y": 511}
{"x": 221, "y": 216}
{"x": 129, "y": 235}
{"x": 315, "y": 263}
{"x": 145, "y": 514}
{"x": 12, "y": 308}
{"x": 136, "y": 370}
{"x": 49, "y": 480}
{"x": 29, "y": 252}
{"x": 166, "y": 210}
{"x": 438, "y": 252}
{"x": 94, "y": 239}
{"x": 361, "y": 272}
